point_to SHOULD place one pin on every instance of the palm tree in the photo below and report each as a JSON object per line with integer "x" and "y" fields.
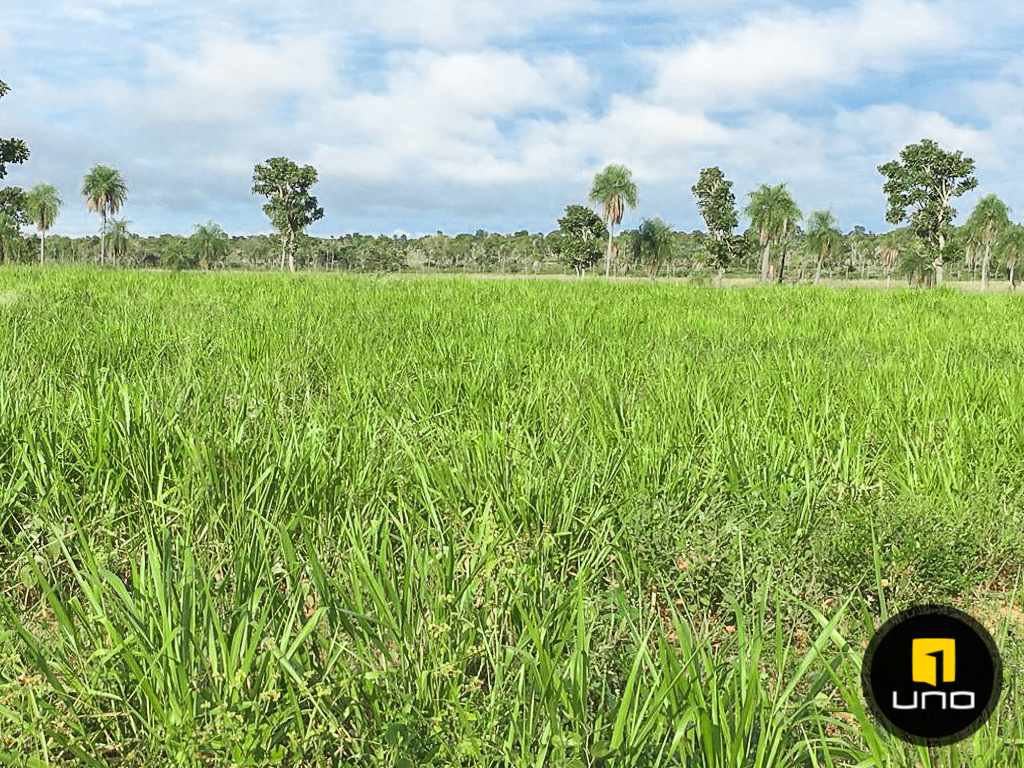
{"x": 105, "y": 192}
{"x": 211, "y": 243}
{"x": 822, "y": 238}
{"x": 774, "y": 215}
{"x": 42, "y": 203}
{"x": 614, "y": 190}
{"x": 654, "y": 242}
{"x": 1011, "y": 247}
{"x": 120, "y": 239}
{"x": 987, "y": 223}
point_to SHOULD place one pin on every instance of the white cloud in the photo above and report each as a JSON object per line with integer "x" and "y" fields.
{"x": 229, "y": 77}
{"x": 782, "y": 52}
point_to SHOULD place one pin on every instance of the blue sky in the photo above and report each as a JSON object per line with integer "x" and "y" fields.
{"x": 454, "y": 115}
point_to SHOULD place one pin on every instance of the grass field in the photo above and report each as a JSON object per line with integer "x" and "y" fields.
{"x": 270, "y": 520}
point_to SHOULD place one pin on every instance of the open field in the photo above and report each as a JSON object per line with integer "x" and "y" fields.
{"x": 260, "y": 519}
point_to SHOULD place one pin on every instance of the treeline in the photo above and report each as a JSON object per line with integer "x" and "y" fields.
{"x": 780, "y": 244}
{"x": 856, "y": 255}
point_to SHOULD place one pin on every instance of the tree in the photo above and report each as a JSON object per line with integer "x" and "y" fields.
{"x": 920, "y": 187}
{"x": 888, "y": 252}
{"x": 12, "y": 151}
{"x": 105, "y": 192}
{"x": 10, "y": 238}
{"x": 12, "y": 199}
{"x": 581, "y": 234}
{"x": 42, "y": 204}
{"x": 654, "y": 241}
{"x": 614, "y": 190}
{"x": 1011, "y": 248}
{"x": 822, "y": 239}
{"x": 290, "y": 207}
{"x": 211, "y": 243}
{"x": 986, "y": 225}
{"x": 120, "y": 240}
{"x": 773, "y": 215}
{"x": 717, "y": 205}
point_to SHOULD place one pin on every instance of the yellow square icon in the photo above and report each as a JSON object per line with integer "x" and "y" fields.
{"x": 927, "y": 654}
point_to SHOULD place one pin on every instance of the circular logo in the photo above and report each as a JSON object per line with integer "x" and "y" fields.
{"x": 932, "y": 675}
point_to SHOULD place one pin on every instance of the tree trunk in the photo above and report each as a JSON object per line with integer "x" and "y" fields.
{"x": 766, "y": 261}
{"x": 42, "y": 246}
{"x": 782, "y": 266}
{"x": 984, "y": 266}
{"x": 938, "y": 263}
{"x": 291, "y": 254}
{"x": 103, "y": 238}
{"x": 1013, "y": 285}
{"x": 719, "y": 276}
{"x": 888, "y": 280}
{"x": 608, "y": 253}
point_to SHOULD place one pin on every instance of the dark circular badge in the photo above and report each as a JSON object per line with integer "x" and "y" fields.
{"x": 932, "y": 675}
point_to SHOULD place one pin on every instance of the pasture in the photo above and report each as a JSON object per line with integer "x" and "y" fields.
{"x": 266, "y": 519}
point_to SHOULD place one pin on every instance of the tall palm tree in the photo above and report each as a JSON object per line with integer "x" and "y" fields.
{"x": 211, "y": 243}
{"x": 42, "y": 203}
{"x": 105, "y": 193}
{"x": 1011, "y": 248}
{"x": 120, "y": 240}
{"x": 774, "y": 215}
{"x": 614, "y": 191}
{"x": 823, "y": 238}
{"x": 987, "y": 223}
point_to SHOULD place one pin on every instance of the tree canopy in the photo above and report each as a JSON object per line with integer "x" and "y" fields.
{"x": 105, "y": 193}
{"x": 42, "y": 204}
{"x": 774, "y": 216}
{"x": 920, "y": 187}
{"x": 614, "y": 190}
{"x": 12, "y": 151}
{"x": 211, "y": 243}
{"x": 290, "y": 206}
{"x": 581, "y": 234}
{"x": 717, "y": 205}
{"x": 654, "y": 243}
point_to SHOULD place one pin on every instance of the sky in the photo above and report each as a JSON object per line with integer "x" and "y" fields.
{"x": 458, "y": 115}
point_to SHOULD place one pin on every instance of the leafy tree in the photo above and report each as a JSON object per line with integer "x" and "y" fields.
{"x": 987, "y": 223}
{"x": 654, "y": 242}
{"x": 1011, "y": 248}
{"x": 920, "y": 187}
{"x": 120, "y": 240}
{"x": 717, "y": 205}
{"x": 211, "y": 244}
{"x": 614, "y": 190}
{"x": 12, "y": 199}
{"x": 823, "y": 238}
{"x": 105, "y": 192}
{"x": 177, "y": 254}
{"x": 290, "y": 207}
{"x": 42, "y": 204}
{"x": 582, "y": 233}
{"x": 10, "y": 239}
{"x": 774, "y": 215}
{"x": 12, "y": 151}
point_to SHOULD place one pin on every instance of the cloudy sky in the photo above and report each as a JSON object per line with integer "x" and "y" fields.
{"x": 463, "y": 114}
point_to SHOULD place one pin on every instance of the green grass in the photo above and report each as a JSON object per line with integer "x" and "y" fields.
{"x": 270, "y": 520}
